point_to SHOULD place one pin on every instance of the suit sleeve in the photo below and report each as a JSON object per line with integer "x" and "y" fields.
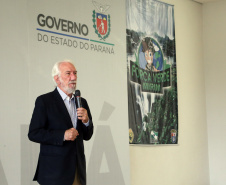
{"x": 38, "y": 130}
{"x": 87, "y": 130}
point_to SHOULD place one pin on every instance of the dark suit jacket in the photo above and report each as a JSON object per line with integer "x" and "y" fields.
{"x": 58, "y": 159}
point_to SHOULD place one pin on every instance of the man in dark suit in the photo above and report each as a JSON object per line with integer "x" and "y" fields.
{"x": 60, "y": 129}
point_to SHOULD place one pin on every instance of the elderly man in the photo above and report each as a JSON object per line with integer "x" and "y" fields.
{"x": 60, "y": 129}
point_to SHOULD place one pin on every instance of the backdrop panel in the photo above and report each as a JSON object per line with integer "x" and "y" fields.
{"x": 40, "y": 33}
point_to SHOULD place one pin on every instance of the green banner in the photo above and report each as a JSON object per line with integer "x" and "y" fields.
{"x": 152, "y": 73}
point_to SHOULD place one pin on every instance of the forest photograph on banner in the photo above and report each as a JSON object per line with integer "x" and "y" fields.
{"x": 152, "y": 73}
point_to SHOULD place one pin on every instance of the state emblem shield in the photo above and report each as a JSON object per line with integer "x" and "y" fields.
{"x": 101, "y": 21}
{"x": 101, "y": 24}
{"x": 173, "y": 136}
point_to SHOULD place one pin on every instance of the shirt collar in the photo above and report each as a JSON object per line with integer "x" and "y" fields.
{"x": 63, "y": 95}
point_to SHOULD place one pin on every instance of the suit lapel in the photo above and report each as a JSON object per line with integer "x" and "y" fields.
{"x": 63, "y": 109}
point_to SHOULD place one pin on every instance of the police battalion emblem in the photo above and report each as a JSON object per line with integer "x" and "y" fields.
{"x": 101, "y": 21}
{"x": 131, "y": 135}
{"x": 154, "y": 137}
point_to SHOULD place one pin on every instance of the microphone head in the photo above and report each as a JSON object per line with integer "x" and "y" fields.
{"x": 77, "y": 93}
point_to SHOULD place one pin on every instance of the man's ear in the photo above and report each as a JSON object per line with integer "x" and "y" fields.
{"x": 57, "y": 80}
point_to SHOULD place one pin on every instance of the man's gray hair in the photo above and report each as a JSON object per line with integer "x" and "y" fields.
{"x": 56, "y": 69}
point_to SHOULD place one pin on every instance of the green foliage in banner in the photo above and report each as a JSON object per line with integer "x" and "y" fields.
{"x": 163, "y": 117}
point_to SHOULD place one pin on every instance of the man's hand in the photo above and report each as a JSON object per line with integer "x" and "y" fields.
{"x": 82, "y": 115}
{"x": 70, "y": 134}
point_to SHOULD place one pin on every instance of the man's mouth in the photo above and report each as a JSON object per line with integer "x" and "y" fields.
{"x": 73, "y": 82}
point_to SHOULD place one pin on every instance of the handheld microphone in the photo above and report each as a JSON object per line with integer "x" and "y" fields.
{"x": 78, "y": 97}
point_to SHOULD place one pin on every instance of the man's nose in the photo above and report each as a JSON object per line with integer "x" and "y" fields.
{"x": 73, "y": 76}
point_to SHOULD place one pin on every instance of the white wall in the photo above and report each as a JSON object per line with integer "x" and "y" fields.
{"x": 187, "y": 162}
{"x": 214, "y": 44}
{"x": 14, "y": 84}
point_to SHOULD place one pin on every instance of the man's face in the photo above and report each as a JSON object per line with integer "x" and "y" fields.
{"x": 67, "y": 79}
{"x": 149, "y": 56}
